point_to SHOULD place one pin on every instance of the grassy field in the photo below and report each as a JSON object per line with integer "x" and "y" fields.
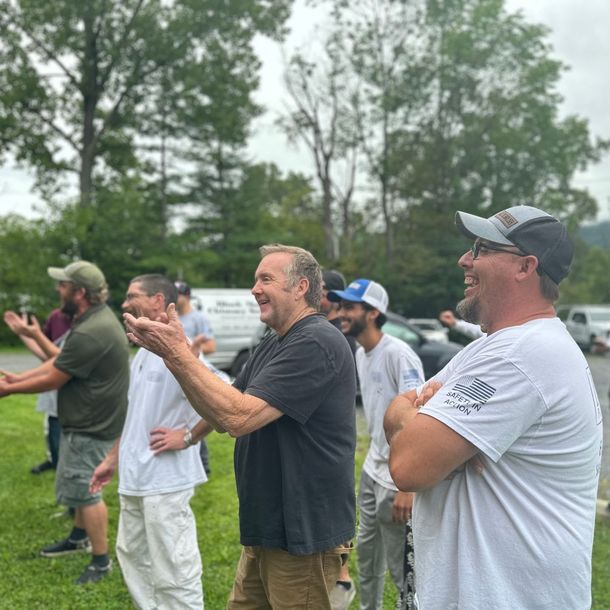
{"x": 29, "y": 582}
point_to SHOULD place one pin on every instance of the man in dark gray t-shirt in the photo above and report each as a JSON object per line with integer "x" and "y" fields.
{"x": 292, "y": 411}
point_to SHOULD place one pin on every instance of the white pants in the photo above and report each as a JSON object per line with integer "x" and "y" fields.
{"x": 157, "y": 549}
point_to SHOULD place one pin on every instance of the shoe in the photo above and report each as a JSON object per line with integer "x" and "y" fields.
{"x": 342, "y": 596}
{"x": 93, "y": 573}
{"x": 66, "y": 547}
{"x": 42, "y": 467}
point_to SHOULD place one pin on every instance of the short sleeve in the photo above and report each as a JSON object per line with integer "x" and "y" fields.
{"x": 79, "y": 355}
{"x": 490, "y": 402}
{"x": 408, "y": 371}
{"x": 298, "y": 376}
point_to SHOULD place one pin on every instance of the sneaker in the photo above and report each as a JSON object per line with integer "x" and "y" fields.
{"x": 93, "y": 573}
{"x": 66, "y": 547}
{"x": 342, "y": 596}
{"x": 44, "y": 466}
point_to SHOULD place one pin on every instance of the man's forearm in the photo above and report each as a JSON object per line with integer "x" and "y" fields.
{"x": 200, "y": 430}
{"x": 41, "y": 370}
{"x": 43, "y": 382}
{"x": 216, "y": 401}
{"x": 45, "y": 344}
{"x": 112, "y": 457}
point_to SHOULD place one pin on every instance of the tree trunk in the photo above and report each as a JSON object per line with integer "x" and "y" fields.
{"x": 89, "y": 89}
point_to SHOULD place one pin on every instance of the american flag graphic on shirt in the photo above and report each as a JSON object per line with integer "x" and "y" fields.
{"x": 474, "y": 388}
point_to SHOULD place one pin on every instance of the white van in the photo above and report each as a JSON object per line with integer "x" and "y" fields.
{"x": 235, "y": 318}
{"x": 585, "y": 322}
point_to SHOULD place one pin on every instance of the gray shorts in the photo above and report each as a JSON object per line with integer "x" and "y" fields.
{"x": 79, "y": 456}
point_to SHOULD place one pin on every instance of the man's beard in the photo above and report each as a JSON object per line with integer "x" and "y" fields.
{"x": 69, "y": 308}
{"x": 469, "y": 310}
{"x": 356, "y": 327}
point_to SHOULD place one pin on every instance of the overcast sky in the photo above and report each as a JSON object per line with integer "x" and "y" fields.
{"x": 579, "y": 39}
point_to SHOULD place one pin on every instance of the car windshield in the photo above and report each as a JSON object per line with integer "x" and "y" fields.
{"x": 600, "y": 316}
{"x": 401, "y": 332}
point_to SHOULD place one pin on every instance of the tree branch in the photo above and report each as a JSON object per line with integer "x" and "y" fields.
{"x": 46, "y": 51}
{"x": 119, "y": 47}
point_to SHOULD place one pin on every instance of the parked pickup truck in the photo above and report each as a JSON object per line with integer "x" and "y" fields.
{"x": 585, "y": 322}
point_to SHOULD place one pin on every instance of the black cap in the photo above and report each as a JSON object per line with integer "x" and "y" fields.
{"x": 333, "y": 280}
{"x": 182, "y": 288}
{"x": 531, "y": 230}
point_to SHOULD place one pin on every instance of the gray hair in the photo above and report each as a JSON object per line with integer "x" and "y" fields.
{"x": 549, "y": 288}
{"x": 302, "y": 265}
{"x": 153, "y": 283}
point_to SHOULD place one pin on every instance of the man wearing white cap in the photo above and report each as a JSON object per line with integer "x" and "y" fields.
{"x": 386, "y": 367}
{"x": 91, "y": 374}
{"x": 515, "y": 531}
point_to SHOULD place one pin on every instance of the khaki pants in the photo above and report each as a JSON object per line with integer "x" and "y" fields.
{"x": 273, "y": 579}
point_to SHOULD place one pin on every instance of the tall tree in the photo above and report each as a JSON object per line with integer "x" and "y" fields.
{"x": 78, "y": 79}
{"x": 319, "y": 92}
{"x": 241, "y": 207}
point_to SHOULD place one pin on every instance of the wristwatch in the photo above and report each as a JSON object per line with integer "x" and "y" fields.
{"x": 188, "y": 439}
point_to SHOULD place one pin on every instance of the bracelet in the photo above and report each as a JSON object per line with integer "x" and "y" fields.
{"x": 188, "y": 439}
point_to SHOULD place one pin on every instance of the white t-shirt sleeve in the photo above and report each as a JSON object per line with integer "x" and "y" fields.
{"x": 469, "y": 329}
{"x": 491, "y": 403}
{"x": 408, "y": 371}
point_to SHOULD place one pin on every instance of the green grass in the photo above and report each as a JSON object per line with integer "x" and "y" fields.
{"x": 29, "y": 582}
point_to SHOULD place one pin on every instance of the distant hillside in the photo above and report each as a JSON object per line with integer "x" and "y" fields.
{"x": 597, "y": 234}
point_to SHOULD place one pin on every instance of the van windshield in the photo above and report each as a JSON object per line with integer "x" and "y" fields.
{"x": 600, "y": 316}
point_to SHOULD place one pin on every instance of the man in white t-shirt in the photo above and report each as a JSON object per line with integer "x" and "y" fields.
{"x": 516, "y": 530}
{"x": 198, "y": 329}
{"x": 159, "y": 466}
{"x": 386, "y": 367}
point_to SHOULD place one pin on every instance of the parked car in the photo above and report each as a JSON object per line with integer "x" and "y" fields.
{"x": 430, "y": 328}
{"x": 235, "y": 318}
{"x": 434, "y": 354}
{"x": 585, "y": 322}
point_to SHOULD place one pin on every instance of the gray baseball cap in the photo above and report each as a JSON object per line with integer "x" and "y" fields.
{"x": 531, "y": 230}
{"x": 82, "y": 273}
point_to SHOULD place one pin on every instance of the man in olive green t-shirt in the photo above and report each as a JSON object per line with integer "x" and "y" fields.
{"x": 91, "y": 374}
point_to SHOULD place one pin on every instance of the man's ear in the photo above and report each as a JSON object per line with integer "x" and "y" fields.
{"x": 373, "y": 314}
{"x": 527, "y": 267}
{"x": 302, "y": 288}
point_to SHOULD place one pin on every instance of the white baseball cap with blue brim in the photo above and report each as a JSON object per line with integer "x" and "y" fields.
{"x": 363, "y": 291}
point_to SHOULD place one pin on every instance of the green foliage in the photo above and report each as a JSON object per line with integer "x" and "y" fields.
{"x": 456, "y": 109}
{"x": 588, "y": 279}
{"x": 82, "y": 83}
{"x": 243, "y": 207}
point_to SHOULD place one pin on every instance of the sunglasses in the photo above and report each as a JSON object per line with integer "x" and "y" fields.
{"x": 478, "y": 246}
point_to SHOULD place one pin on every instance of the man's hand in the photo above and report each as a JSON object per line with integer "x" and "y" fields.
{"x": 101, "y": 476}
{"x": 9, "y": 377}
{"x": 401, "y": 410}
{"x": 19, "y": 324}
{"x": 167, "y": 439}
{"x": 476, "y": 462}
{"x": 428, "y": 391}
{"x": 5, "y": 388}
{"x": 405, "y": 407}
{"x": 402, "y": 506}
{"x": 163, "y": 337}
{"x": 447, "y": 318}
